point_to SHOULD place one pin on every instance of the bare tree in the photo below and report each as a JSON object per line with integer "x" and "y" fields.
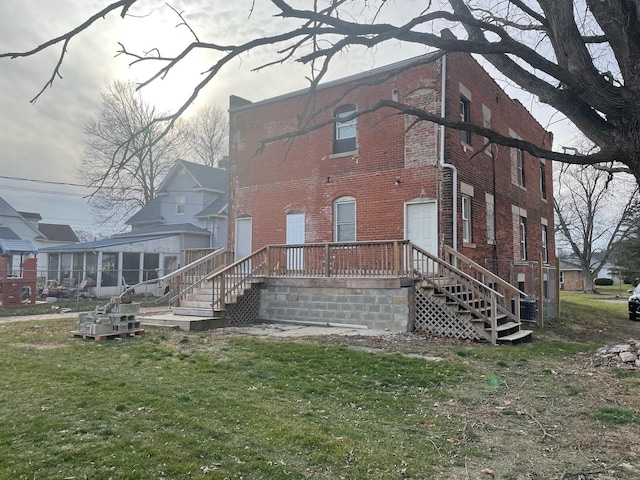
{"x": 592, "y": 214}
{"x": 579, "y": 57}
{"x": 205, "y": 136}
{"x": 626, "y": 253}
{"x": 125, "y": 121}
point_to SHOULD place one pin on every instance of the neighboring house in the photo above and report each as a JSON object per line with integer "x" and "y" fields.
{"x": 27, "y": 235}
{"x": 51, "y": 234}
{"x": 571, "y": 272}
{"x": 570, "y": 275}
{"x": 191, "y": 195}
{"x": 188, "y": 213}
{"x": 381, "y": 176}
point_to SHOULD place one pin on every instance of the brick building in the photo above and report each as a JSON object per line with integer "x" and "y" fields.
{"x": 380, "y": 176}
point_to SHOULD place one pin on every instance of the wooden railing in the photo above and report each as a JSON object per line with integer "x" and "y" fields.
{"x": 188, "y": 277}
{"x": 512, "y": 295}
{"x": 361, "y": 259}
{"x": 231, "y": 281}
{"x": 458, "y": 287}
{"x": 467, "y": 286}
{"x": 347, "y": 259}
{"x": 191, "y": 276}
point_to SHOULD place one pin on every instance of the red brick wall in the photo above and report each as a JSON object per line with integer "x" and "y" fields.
{"x": 303, "y": 175}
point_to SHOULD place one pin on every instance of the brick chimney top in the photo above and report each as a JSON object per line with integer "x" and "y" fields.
{"x": 446, "y": 33}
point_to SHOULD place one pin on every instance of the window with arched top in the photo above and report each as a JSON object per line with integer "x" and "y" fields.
{"x": 344, "y": 219}
{"x": 345, "y": 132}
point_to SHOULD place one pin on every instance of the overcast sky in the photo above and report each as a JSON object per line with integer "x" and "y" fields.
{"x": 45, "y": 141}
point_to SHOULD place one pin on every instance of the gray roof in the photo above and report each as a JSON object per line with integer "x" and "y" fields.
{"x": 170, "y": 228}
{"x": 10, "y": 247}
{"x": 31, "y": 215}
{"x": 7, "y": 210}
{"x": 58, "y": 233}
{"x": 8, "y": 234}
{"x": 388, "y": 69}
{"x": 217, "y": 207}
{"x": 148, "y": 214}
{"x": 104, "y": 243}
{"x": 210, "y": 178}
{"x": 569, "y": 264}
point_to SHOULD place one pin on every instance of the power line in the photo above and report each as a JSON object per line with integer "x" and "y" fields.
{"x": 49, "y": 182}
{"x": 36, "y": 190}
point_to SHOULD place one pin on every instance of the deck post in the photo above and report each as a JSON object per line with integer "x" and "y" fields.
{"x": 396, "y": 260}
{"x": 267, "y": 260}
{"x": 494, "y": 318}
{"x": 327, "y": 269}
{"x": 223, "y": 291}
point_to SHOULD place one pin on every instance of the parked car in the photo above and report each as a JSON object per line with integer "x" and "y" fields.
{"x": 634, "y": 303}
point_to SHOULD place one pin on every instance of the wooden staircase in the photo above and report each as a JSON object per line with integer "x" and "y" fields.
{"x": 477, "y": 311}
{"x": 469, "y": 296}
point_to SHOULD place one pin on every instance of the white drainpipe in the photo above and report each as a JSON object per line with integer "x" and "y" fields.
{"x": 443, "y": 163}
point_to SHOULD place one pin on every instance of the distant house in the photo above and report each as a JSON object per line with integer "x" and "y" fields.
{"x": 570, "y": 275}
{"x": 189, "y": 212}
{"x": 571, "y": 272}
{"x": 23, "y": 234}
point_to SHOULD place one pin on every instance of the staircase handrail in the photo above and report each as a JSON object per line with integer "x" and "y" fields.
{"x": 222, "y": 274}
{"x": 495, "y": 278}
{"x": 193, "y": 266}
{"x": 235, "y": 264}
{"x": 175, "y": 273}
{"x": 457, "y": 271}
{"x": 510, "y": 290}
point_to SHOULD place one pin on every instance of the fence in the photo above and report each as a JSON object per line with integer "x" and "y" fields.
{"x": 538, "y": 280}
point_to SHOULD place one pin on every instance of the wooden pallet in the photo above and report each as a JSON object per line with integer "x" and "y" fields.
{"x": 107, "y": 336}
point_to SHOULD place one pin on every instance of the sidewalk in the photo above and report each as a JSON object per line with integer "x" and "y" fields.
{"x": 74, "y": 315}
{"x": 283, "y": 330}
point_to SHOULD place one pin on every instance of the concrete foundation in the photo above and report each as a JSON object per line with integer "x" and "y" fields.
{"x": 374, "y": 303}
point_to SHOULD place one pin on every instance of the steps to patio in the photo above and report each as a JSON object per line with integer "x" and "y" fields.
{"x": 189, "y": 323}
{"x": 476, "y": 312}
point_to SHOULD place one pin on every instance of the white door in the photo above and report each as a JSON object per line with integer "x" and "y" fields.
{"x": 422, "y": 227}
{"x": 295, "y": 236}
{"x": 243, "y": 237}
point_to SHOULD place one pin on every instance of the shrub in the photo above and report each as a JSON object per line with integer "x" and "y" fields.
{"x": 604, "y": 281}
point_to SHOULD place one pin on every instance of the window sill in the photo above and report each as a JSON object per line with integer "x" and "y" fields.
{"x": 343, "y": 154}
{"x": 468, "y": 245}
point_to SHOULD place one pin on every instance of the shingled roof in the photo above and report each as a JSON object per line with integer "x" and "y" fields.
{"x": 58, "y": 233}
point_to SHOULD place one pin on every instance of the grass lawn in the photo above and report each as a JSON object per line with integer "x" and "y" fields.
{"x": 223, "y": 404}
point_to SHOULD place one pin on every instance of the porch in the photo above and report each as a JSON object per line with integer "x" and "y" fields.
{"x": 393, "y": 285}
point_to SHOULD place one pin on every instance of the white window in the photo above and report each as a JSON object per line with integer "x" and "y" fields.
{"x": 520, "y": 165}
{"x": 523, "y": 238}
{"x": 344, "y": 214}
{"x": 543, "y": 180}
{"x": 545, "y": 250}
{"x": 345, "y": 132}
{"x": 466, "y": 219}
{"x": 465, "y": 116}
{"x": 180, "y": 202}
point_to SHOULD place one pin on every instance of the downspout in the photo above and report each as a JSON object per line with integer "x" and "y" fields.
{"x": 443, "y": 163}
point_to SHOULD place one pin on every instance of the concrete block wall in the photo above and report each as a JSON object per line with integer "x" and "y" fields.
{"x": 338, "y": 302}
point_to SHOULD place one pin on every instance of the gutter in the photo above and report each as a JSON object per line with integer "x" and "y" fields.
{"x": 443, "y": 163}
